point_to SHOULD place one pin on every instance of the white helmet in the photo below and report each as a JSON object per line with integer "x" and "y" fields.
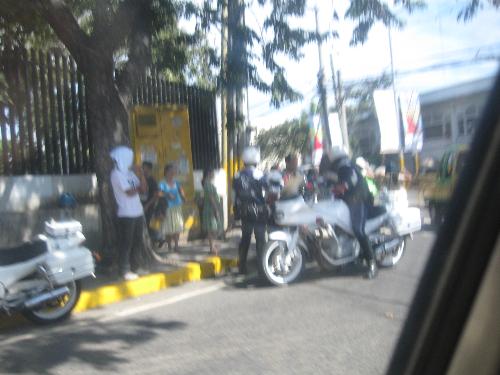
{"x": 337, "y": 153}
{"x": 362, "y": 163}
{"x": 251, "y": 156}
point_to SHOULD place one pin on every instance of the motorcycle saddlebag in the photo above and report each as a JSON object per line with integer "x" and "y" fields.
{"x": 407, "y": 220}
{"x": 71, "y": 264}
{"x": 62, "y": 228}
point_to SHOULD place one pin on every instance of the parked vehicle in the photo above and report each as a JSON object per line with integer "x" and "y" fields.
{"x": 438, "y": 192}
{"x": 42, "y": 279}
{"x": 322, "y": 231}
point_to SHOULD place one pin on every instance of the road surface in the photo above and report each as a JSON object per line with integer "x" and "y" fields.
{"x": 335, "y": 323}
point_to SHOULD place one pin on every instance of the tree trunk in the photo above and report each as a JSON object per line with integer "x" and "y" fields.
{"x": 108, "y": 125}
{"x": 108, "y": 120}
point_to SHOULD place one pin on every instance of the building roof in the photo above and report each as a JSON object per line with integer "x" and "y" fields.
{"x": 457, "y": 91}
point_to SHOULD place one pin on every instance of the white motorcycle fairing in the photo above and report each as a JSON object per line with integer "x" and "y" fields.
{"x": 11, "y": 273}
{"x": 64, "y": 260}
{"x": 294, "y": 212}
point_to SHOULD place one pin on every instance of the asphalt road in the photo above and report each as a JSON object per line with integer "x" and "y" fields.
{"x": 335, "y": 323}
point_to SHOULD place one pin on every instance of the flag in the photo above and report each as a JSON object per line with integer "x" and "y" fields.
{"x": 335, "y": 132}
{"x": 412, "y": 121}
{"x": 316, "y": 137}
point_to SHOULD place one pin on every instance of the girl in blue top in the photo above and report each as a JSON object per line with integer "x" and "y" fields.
{"x": 173, "y": 224}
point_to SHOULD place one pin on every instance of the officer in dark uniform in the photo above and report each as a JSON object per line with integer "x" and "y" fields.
{"x": 250, "y": 206}
{"x": 351, "y": 187}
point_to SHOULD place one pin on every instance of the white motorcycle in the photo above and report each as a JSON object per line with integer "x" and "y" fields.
{"x": 322, "y": 231}
{"x": 41, "y": 279}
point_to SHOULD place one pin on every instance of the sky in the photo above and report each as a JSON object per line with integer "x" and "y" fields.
{"x": 430, "y": 37}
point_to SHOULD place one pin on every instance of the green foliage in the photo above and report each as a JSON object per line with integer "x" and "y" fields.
{"x": 368, "y": 12}
{"x": 274, "y": 36}
{"x": 290, "y": 137}
{"x": 178, "y": 55}
{"x": 21, "y": 27}
{"x": 470, "y": 9}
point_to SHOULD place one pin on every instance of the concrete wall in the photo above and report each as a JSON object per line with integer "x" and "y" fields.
{"x": 26, "y": 202}
{"x": 22, "y": 193}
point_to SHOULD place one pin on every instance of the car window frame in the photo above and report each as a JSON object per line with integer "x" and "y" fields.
{"x": 459, "y": 258}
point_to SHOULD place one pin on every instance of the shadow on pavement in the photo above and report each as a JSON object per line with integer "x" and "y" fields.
{"x": 99, "y": 345}
{"x": 310, "y": 274}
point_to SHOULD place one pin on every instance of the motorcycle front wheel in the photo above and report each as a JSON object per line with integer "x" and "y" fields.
{"x": 281, "y": 267}
{"x": 57, "y": 310}
{"x": 395, "y": 257}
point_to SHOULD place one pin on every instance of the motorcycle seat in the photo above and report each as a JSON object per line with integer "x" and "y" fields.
{"x": 22, "y": 253}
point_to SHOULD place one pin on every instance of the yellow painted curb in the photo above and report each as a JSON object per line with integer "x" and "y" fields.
{"x": 108, "y": 294}
{"x": 105, "y": 295}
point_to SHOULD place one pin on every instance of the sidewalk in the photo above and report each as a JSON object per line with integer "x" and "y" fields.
{"x": 192, "y": 263}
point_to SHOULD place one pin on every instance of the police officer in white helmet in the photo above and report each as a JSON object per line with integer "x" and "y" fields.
{"x": 250, "y": 205}
{"x": 351, "y": 187}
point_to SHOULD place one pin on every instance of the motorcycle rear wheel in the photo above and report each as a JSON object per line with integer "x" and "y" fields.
{"x": 273, "y": 258}
{"x": 57, "y": 310}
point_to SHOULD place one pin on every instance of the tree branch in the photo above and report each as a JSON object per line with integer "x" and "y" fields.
{"x": 123, "y": 21}
{"x": 61, "y": 19}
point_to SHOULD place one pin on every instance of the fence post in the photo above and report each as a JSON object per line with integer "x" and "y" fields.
{"x": 58, "y": 60}
{"x": 36, "y": 105}
{"x": 75, "y": 119}
{"x": 53, "y": 115}
{"x": 68, "y": 115}
{"x": 29, "y": 112}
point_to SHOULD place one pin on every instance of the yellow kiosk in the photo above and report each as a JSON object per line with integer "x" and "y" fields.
{"x": 161, "y": 135}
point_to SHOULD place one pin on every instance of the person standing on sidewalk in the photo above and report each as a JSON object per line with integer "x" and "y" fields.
{"x": 128, "y": 182}
{"x": 171, "y": 189}
{"x": 211, "y": 222}
{"x": 149, "y": 198}
{"x": 250, "y": 206}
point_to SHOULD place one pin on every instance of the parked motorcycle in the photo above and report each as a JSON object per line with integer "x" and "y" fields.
{"x": 42, "y": 279}
{"x": 322, "y": 231}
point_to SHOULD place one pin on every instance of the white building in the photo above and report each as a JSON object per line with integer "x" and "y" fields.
{"x": 450, "y": 115}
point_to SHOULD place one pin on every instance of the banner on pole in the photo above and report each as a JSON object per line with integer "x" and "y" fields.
{"x": 316, "y": 137}
{"x": 388, "y": 121}
{"x": 412, "y": 121}
{"x": 335, "y": 132}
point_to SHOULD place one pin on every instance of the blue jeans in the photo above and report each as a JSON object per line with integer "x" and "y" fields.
{"x": 359, "y": 214}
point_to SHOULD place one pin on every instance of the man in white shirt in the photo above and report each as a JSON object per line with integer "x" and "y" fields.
{"x": 293, "y": 179}
{"x": 127, "y": 186}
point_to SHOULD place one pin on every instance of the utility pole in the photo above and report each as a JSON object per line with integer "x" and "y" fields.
{"x": 334, "y": 83}
{"x": 339, "y": 96}
{"x": 327, "y": 141}
{"x": 241, "y": 72}
{"x": 396, "y": 106}
{"x": 342, "y": 113}
{"x": 223, "y": 99}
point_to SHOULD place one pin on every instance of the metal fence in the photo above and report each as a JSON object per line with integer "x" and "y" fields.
{"x": 43, "y": 126}
{"x": 43, "y": 115}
